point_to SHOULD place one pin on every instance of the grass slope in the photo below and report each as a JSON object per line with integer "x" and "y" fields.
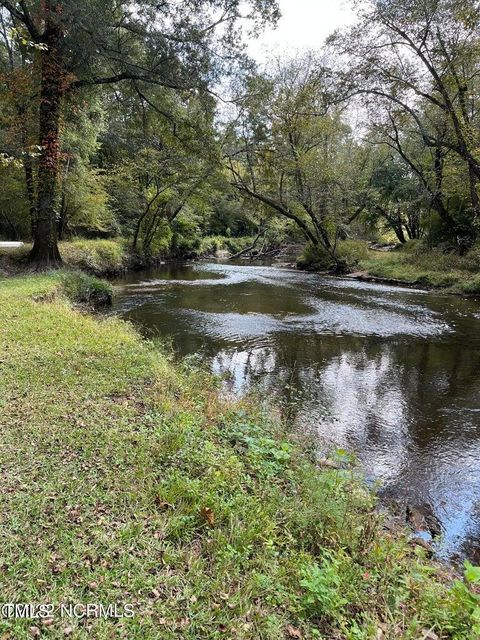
{"x": 430, "y": 269}
{"x": 98, "y": 257}
{"x": 125, "y": 479}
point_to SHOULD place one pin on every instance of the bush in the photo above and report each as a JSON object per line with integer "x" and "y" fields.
{"x": 315, "y": 258}
{"x": 472, "y": 259}
{"x": 349, "y": 253}
{"x": 417, "y": 247}
{"x": 472, "y": 286}
{"x": 210, "y": 245}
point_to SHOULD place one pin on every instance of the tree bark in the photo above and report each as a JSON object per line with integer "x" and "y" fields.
{"x": 30, "y": 187}
{"x": 45, "y": 246}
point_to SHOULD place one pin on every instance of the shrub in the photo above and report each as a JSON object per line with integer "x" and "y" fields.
{"x": 472, "y": 286}
{"x": 417, "y": 247}
{"x": 472, "y": 259}
{"x": 315, "y": 258}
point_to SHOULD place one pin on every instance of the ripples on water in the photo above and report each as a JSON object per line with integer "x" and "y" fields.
{"x": 391, "y": 373}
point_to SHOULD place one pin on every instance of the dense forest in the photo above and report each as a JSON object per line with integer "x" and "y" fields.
{"x": 148, "y": 122}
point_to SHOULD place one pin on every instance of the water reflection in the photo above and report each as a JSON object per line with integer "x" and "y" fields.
{"x": 392, "y": 374}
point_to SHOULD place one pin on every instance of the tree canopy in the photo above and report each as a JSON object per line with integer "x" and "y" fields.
{"x": 114, "y": 122}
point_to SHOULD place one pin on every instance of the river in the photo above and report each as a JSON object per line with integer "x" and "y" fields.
{"x": 389, "y": 373}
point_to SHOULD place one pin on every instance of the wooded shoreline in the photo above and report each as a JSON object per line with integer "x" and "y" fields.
{"x": 112, "y": 258}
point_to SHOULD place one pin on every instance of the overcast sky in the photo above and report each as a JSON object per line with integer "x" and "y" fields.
{"x": 304, "y": 25}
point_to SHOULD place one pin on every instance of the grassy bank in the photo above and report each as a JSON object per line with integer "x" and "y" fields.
{"x": 109, "y": 257}
{"x": 125, "y": 479}
{"x": 458, "y": 274}
{"x": 97, "y": 257}
{"x": 411, "y": 264}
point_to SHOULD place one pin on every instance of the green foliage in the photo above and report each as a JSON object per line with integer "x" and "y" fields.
{"x": 323, "y": 585}
{"x": 209, "y": 245}
{"x": 415, "y": 264}
{"x": 14, "y": 211}
{"x": 86, "y": 203}
{"x": 292, "y": 154}
{"x": 352, "y": 252}
{"x": 469, "y": 598}
{"x": 472, "y": 285}
{"x": 473, "y": 258}
{"x": 316, "y": 258}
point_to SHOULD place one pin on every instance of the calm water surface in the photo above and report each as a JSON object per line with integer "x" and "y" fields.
{"x": 390, "y": 373}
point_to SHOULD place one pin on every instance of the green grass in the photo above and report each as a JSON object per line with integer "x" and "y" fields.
{"x": 126, "y": 479}
{"x": 430, "y": 269}
{"x": 97, "y": 257}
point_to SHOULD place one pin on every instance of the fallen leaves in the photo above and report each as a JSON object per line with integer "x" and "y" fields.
{"x": 47, "y": 622}
{"x": 163, "y": 505}
{"x": 293, "y": 632}
{"x": 208, "y": 516}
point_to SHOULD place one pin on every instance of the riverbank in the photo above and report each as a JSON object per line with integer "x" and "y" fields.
{"x": 127, "y": 479}
{"x": 96, "y": 257}
{"x": 404, "y": 267}
{"x": 106, "y": 258}
{"x": 430, "y": 270}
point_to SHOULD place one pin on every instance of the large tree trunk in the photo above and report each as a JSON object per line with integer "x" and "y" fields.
{"x": 45, "y": 247}
{"x": 399, "y": 233}
{"x": 28, "y": 169}
{"x": 29, "y": 181}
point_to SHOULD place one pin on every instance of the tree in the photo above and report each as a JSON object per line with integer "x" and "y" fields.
{"x": 417, "y": 60}
{"x": 161, "y": 155}
{"x": 293, "y": 153}
{"x": 80, "y": 45}
{"x": 396, "y": 197}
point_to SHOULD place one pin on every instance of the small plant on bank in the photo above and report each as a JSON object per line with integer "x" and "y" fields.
{"x": 80, "y": 288}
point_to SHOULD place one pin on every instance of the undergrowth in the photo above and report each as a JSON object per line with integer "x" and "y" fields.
{"x": 430, "y": 268}
{"x": 98, "y": 257}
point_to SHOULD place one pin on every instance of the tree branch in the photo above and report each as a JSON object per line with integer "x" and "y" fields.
{"x": 24, "y": 17}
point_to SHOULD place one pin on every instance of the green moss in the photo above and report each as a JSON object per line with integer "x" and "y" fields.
{"x": 125, "y": 478}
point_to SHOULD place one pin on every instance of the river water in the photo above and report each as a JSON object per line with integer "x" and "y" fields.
{"x": 390, "y": 373}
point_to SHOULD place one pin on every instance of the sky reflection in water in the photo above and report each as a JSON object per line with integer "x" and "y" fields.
{"x": 391, "y": 373}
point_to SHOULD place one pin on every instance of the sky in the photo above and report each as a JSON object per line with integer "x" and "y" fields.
{"x": 304, "y": 25}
